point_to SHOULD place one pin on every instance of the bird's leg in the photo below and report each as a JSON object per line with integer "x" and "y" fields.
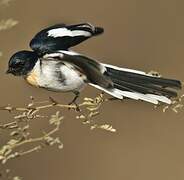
{"x": 74, "y": 100}
{"x": 53, "y": 100}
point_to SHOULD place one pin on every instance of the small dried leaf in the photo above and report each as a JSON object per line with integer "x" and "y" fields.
{"x": 106, "y": 127}
{"x": 154, "y": 73}
{"x": 92, "y": 108}
{"x": 1, "y": 157}
{"x": 92, "y": 114}
{"x": 165, "y": 108}
{"x": 17, "y": 178}
{"x": 25, "y": 127}
{"x": 4, "y": 161}
{"x": 177, "y": 107}
{"x": 5, "y": 2}
{"x": 56, "y": 119}
{"x": 88, "y": 99}
{"x": 80, "y": 117}
{"x": 5, "y": 150}
{"x": 60, "y": 146}
{"x": 30, "y": 104}
{"x": 7, "y": 24}
{"x": 12, "y": 142}
{"x": 14, "y": 133}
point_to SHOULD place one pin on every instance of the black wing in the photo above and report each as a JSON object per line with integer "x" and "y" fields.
{"x": 62, "y": 37}
{"x": 91, "y": 68}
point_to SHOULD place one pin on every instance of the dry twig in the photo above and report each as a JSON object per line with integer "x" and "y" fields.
{"x": 21, "y": 135}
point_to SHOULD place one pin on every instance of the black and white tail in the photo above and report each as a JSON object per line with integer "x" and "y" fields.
{"x": 138, "y": 85}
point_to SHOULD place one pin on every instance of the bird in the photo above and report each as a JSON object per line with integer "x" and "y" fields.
{"x": 53, "y": 66}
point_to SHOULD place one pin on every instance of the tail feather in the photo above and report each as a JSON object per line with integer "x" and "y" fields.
{"x": 142, "y": 77}
{"x": 98, "y": 31}
{"x": 112, "y": 92}
{"x": 137, "y": 96}
{"x": 132, "y": 95}
{"x": 160, "y": 98}
{"x": 143, "y": 88}
{"x": 140, "y": 86}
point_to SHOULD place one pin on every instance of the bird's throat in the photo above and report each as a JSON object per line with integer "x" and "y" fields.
{"x": 32, "y": 78}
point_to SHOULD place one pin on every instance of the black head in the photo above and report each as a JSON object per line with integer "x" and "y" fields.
{"x": 22, "y": 62}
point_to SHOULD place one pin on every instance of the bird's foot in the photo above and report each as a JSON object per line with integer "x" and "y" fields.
{"x": 77, "y": 108}
{"x": 53, "y": 101}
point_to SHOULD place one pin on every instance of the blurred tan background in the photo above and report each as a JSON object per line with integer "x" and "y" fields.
{"x": 145, "y": 35}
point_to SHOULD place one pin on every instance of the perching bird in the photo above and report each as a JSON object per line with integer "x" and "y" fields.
{"x": 52, "y": 66}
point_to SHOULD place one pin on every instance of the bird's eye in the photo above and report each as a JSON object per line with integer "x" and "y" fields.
{"x": 18, "y": 64}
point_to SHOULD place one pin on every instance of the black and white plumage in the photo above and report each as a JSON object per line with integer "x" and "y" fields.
{"x": 67, "y": 71}
{"x": 62, "y": 37}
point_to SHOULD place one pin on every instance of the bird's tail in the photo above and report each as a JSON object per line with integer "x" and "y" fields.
{"x": 98, "y": 31}
{"x": 140, "y": 86}
{"x": 94, "y": 30}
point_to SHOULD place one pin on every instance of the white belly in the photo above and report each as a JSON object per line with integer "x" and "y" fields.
{"x": 58, "y": 78}
{"x": 74, "y": 79}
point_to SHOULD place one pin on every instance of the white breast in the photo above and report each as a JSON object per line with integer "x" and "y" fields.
{"x": 58, "y": 77}
{"x": 74, "y": 79}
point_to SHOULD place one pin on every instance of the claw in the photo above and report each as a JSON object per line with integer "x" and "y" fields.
{"x": 74, "y": 102}
{"x": 53, "y": 101}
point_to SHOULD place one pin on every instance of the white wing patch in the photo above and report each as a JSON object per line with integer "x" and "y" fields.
{"x": 61, "y": 32}
{"x": 53, "y": 55}
{"x": 61, "y": 53}
{"x": 72, "y": 53}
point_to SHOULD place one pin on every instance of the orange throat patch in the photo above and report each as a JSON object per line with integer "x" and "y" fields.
{"x": 32, "y": 79}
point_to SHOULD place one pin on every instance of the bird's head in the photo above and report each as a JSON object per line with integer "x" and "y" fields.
{"x": 22, "y": 63}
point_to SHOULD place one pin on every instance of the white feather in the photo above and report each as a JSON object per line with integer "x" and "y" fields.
{"x": 72, "y": 53}
{"x": 61, "y": 53}
{"x": 160, "y": 98}
{"x": 132, "y": 95}
{"x": 61, "y": 32}
{"x": 137, "y": 96}
{"x": 52, "y": 55}
{"x": 112, "y": 92}
{"x": 126, "y": 69}
{"x": 151, "y": 98}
